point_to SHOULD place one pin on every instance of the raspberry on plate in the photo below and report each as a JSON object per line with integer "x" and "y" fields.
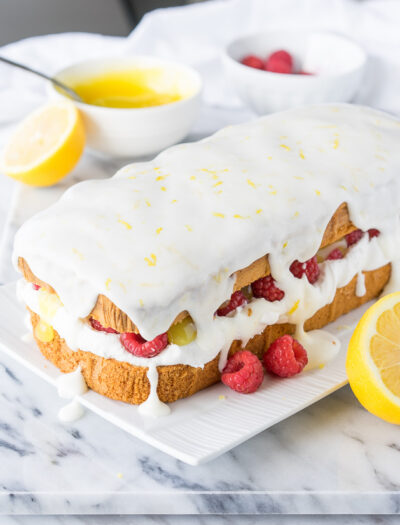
{"x": 98, "y": 326}
{"x": 253, "y": 61}
{"x": 265, "y": 287}
{"x": 237, "y": 299}
{"x": 353, "y": 237}
{"x": 279, "y": 62}
{"x": 310, "y": 268}
{"x": 285, "y": 357}
{"x": 373, "y": 232}
{"x": 336, "y": 253}
{"x": 135, "y": 344}
{"x": 243, "y": 372}
{"x": 36, "y": 286}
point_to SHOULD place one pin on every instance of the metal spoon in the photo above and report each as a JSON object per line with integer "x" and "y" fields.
{"x": 73, "y": 94}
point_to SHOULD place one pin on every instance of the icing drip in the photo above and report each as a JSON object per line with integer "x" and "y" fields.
{"x": 69, "y": 386}
{"x": 27, "y": 338}
{"x": 360, "y": 286}
{"x": 153, "y": 406}
{"x": 72, "y": 384}
{"x": 71, "y": 412}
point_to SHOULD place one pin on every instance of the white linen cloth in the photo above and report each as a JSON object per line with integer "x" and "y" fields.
{"x": 196, "y": 35}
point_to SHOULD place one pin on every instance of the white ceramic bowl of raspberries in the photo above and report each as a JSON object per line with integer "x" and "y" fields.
{"x": 278, "y": 70}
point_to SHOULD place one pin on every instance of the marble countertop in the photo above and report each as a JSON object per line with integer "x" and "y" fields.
{"x": 331, "y": 458}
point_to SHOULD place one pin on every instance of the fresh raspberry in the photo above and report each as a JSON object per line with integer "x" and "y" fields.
{"x": 279, "y": 62}
{"x": 138, "y": 346}
{"x": 98, "y": 326}
{"x": 373, "y": 232}
{"x": 36, "y": 286}
{"x": 243, "y": 372}
{"x": 353, "y": 237}
{"x": 237, "y": 299}
{"x": 310, "y": 268}
{"x": 336, "y": 253}
{"x": 285, "y": 357}
{"x": 253, "y": 61}
{"x": 265, "y": 287}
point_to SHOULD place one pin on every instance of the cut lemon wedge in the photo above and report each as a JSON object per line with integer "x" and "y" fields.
{"x": 373, "y": 359}
{"x": 45, "y": 146}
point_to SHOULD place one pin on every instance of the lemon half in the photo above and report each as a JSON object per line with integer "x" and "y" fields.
{"x": 373, "y": 359}
{"x": 46, "y": 145}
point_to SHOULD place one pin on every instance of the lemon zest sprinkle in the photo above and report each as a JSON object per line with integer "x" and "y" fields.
{"x": 78, "y": 253}
{"x": 189, "y": 228}
{"x": 158, "y": 230}
{"x": 302, "y": 156}
{"x": 163, "y": 188}
{"x": 251, "y": 183}
{"x": 217, "y": 183}
{"x": 259, "y": 211}
{"x": 294, "y": 307}
{"x": 285, "y": 244}
{"x": 284, "y": 146}
{"x": 336, "y": 143}
{"x": 318, "y": 192}
{"x": 107, "y": 283}
{"x": 217, "y": 214}
{"x": 148, "y": 203}
{"x": 152, "y": 261}
{"x": 126, "y": 224}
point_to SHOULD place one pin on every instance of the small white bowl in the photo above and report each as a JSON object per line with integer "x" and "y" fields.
{"x": 136, "y": 132}
{"x": 337, "y": 62}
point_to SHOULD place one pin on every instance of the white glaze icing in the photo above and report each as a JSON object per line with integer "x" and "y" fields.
{"x": 72, "y": 384}
{"x": 153, "y": 406}
{"x": 71, "y": 412}
{"x": 27, "y": 337}
{"x": 165, "y": 236}
{"x": 360, "y": 286}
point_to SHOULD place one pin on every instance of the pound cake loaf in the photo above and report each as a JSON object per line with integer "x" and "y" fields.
{"x": 150, "y": 280}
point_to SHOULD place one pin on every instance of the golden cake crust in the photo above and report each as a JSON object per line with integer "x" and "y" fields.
{"x": 129, "y": 383}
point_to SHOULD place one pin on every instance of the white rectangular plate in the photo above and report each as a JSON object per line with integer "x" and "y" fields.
{"x": 207, "y": 424}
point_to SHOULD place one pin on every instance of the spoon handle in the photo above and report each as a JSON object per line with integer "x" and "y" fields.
{"x": 56, "y": 82}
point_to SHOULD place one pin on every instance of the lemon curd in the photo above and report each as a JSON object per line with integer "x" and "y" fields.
{"x": 130, "y": 88}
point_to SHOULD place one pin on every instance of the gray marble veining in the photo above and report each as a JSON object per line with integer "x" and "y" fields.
{"x": 331, "y": 458}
